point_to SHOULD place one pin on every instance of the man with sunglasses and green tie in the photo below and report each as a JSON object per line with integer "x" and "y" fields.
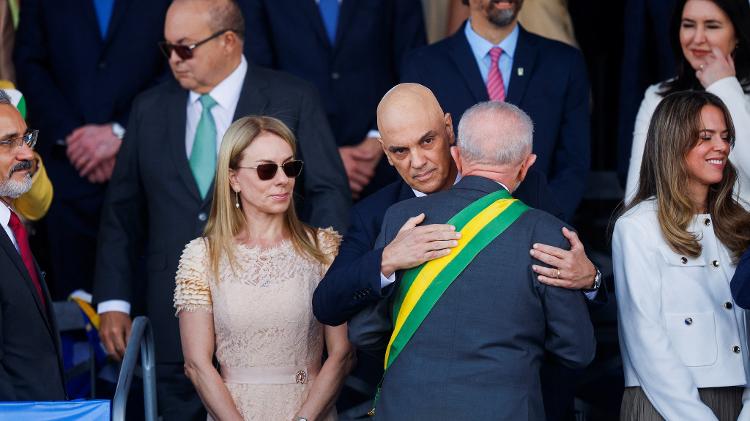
{"x": 30, "y": 363}
{"x": 161, "y": 190}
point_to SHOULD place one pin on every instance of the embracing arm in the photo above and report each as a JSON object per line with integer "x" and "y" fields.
{"x": 197, "y": 337}
{"x": 336, "y": 367}
{"x": 644, "y": 341}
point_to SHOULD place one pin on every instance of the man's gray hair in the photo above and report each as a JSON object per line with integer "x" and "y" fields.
{"x": 495, "y": 133}
{"x": 5, "y": 98}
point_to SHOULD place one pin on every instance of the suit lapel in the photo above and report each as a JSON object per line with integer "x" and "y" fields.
{"x": 405, "y": 192}
{"x": 460, "y": 52}
{"x": 524, "y": 59}
{"x": 346, "y": 13}
{"x": 118, "y": 10}
{"x": 315, "y": 20}
{"x": 14, "y": 256}
{"x": 176, "y": 104}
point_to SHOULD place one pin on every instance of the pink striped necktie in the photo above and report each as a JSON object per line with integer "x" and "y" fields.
{"x": 495, "y": 85}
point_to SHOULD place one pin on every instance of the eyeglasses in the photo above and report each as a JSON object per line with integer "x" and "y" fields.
{"x": 268, "y": 171}
{"x": 185, "y": 52}
{"x": 29, "y": 138}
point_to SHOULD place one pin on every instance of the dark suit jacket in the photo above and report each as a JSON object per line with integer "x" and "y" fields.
{"x": 548, "y": 82}
{"x": 478, "y": 353}
{"x": 353, "y": 281}
{"x": 646, "y": 59}
{"x": 70, "y": 76}
{"x": 352, "y": 74}
{"x": 153, "y": 200}
{"x": 741, "y": 282}
{"x": 31, "y": 366}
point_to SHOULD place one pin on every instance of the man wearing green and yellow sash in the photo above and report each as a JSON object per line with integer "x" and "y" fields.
{"x": 467, "y": 332}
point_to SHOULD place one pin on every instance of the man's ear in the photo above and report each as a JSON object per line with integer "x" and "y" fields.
{"x": 449, "y": 129}
{"x": 456, "y": 154}
{"x": 525, "y": 165}
{"x": 385, "y": 151}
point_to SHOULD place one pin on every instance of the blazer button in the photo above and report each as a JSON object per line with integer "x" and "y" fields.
{"x": 335, "y": 76}
{"x": 707, "y": 221}
{"x": 683, "y": 259}
{"x": 736, "y": 349}
{"x": 715, "y": 263}
{"x": 688, "y": 321}
{"x": 728, "y": 305}
{"x": 202, "y": 216}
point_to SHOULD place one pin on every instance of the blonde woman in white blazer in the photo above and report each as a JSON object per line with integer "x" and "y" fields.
{"x": 683, "y": 340}
{"x": 714, "y": 44}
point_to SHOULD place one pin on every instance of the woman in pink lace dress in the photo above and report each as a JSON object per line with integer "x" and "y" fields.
{"x": 244, "y": 290}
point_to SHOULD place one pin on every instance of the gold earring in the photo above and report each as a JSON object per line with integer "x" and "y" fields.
{"x": 237, "y": 199}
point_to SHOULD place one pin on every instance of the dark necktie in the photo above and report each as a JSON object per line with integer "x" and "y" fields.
{"x": 22, "y": 239}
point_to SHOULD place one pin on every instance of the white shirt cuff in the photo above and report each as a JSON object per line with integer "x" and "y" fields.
{"x": 373, "y": 133}
{"x": 113, "y": 305}
{"x": 385, "y": 281}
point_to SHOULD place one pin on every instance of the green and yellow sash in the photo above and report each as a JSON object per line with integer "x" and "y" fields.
{"x": 421, "y": 287}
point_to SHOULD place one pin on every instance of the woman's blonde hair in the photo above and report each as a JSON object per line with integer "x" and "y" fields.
{"x": 226, "y": 221}
{"x": 674, "y": 130}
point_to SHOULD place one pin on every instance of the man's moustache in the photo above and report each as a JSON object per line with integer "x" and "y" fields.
{"x": 23, "y": 165}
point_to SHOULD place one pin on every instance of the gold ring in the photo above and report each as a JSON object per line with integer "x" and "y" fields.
{"x": 557, "y": 273}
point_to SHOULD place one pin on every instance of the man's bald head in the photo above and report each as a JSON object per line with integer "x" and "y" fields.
{"x": 219, "y": 14}
{"x": 417, "y": 136}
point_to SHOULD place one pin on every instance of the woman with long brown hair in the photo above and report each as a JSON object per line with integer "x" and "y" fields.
{"x": 711, "y": 45}
{"x": 244, "y": 289}
{"x": 682, "y": 338}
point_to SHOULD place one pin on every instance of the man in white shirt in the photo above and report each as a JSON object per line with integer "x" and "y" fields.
{"x": 160, "y": 194}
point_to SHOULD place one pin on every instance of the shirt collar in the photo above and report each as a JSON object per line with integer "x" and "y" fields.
{"x": 480, "y": 47}
{"x": 227, "y": 92}
{"x": 4, "y": 214}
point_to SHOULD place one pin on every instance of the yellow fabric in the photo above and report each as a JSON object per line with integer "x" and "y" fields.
{"x": 89, "y": 310}
{"x": 34, "y": 204}
{"x": 434, "y": 267}
{"x": 6, "y": 84}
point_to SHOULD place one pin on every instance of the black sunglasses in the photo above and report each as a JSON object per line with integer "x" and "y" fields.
{"x": 185, "y": 52}
{"x": 268, "y": 171}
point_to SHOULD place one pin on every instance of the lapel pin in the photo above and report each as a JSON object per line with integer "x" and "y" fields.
{"x": 519, "y": 71}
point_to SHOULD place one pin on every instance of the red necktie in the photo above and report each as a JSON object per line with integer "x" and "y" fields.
{"x": 495, "y": 85}
{"x": 22, "y": 238}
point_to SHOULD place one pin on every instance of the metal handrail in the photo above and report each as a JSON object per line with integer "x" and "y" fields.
{"x": 141, "y": 338}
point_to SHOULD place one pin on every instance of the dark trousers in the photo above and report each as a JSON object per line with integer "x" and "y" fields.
{"x": 176, "y": 396}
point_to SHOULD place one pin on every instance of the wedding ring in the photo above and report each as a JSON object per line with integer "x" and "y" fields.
{"x": 557, "y": 273}
{"x": 701, "y": 66}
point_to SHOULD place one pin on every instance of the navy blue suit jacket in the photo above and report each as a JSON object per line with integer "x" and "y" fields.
{"x": 548, "y": 82}
{"x": 70, "y": 76}
{"x": 354, "y": 72}
{"x": 740, "y": 284}
{"x": 353, "y": 280}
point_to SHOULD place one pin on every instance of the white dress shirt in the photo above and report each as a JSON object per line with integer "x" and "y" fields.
{"x": 679, "y": 327}
{"x": 5, "y": 222}
{"x": 227, "y": 95}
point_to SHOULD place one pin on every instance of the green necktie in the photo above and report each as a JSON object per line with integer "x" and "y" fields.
{"x": 203, "y": 155}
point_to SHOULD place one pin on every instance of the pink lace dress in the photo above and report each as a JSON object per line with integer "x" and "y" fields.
{"x": 268, "y": 342}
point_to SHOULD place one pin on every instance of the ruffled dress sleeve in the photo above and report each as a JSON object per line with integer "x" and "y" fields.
{"x": 192, "y": 292}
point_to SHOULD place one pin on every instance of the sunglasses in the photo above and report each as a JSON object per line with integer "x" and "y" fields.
{"x": 185, "y": 52}
{"x": 29, "y": 138}
{"x": 268, "y": 171}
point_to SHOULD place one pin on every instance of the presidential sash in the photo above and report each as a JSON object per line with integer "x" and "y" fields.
{"x": 421, "y": 287}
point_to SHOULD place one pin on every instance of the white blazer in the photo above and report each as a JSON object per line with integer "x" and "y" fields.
{"x": 679, "y": 326}
{"x": 730, "y": 92}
